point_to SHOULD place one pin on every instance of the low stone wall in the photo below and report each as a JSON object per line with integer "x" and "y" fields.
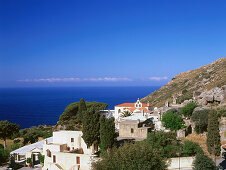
{"x": 182, "y": 162}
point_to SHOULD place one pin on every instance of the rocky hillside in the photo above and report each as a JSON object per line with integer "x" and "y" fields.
{"x": 184, "y": 84}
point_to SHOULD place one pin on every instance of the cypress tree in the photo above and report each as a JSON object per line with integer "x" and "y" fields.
{"x": 107, "y": 132}
{"x": 91, "y": 126}
{"x": 213, "y": 136}
{"x": 82, "y": 109}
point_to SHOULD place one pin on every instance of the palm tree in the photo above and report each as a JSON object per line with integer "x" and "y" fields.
{"x": 126, "y": 113}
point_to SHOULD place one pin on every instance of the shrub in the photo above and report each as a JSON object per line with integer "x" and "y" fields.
{"x": 221, "y": 111}
{"x": 131, "y": 156}
{"x": 16, "y": 141}
{"x": 188, "y": 109}
{"x": 191, "y": 148}
{"x": 165, "y": 143}
{"x": 15, "y": 146}
{"x": 4, "y": 155}
{"x": 41, "y": 158}
{"x": 28, "y": 160}
{"x": 203, "y": 162}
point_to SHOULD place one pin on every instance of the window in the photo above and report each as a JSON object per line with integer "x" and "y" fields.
{"x": 132, "y": 130}
{"x": 48, "y": 153}
{"x": 72, "y": 139}
{"x": 78, "y": 160}
{"x": 54, "y": 158}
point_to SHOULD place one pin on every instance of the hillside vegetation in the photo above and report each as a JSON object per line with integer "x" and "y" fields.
{"x": 184, "y": 84}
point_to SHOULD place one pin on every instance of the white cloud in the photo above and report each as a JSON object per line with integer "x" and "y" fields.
{"x": 106, "y": 79}
{"x": 158, "y": 78}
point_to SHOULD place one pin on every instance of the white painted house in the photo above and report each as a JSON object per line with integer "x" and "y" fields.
{"x": 29, "y": 151}
{"x": 134, "y": 108}
{"x": 68, "y": 151}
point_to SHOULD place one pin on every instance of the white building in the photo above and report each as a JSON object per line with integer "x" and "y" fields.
{"x": 68, "y": 151}
{"x": 133, "y": 108}
{"x": 29, "y": 151}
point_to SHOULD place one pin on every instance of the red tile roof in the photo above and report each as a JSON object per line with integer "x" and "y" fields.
{"x": 131, "y": 105}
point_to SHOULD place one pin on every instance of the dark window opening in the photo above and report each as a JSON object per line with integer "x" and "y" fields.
{"x": 54, "y": 158}
{"x": 78, "y": 160}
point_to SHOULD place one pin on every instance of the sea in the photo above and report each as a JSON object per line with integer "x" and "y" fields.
{"x": 37, "y": 106}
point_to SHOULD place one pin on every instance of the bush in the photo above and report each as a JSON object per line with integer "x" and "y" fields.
{"x": 191, "y": 148}
{"x": 165, "y": 143}
{"x": 172, "y": 120}
{"x": 15, "y": 146}
{"x": 203, "y": 162}
{"x": 188, "y": 109}
{"x": 200, "y": 118}
{"x": 28, "y": 160}
{"x": 1, "y": 146}
{"x": 221, "y": 111}
{"x": 16, "y": 141}
{"x": 41, "y": 158}
{"x": 4, "y": 155}
{"x": 131, "y": 156}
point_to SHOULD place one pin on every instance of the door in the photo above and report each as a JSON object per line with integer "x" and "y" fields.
{"x": 54, "y": 158}
{"x": 78, "y": 160}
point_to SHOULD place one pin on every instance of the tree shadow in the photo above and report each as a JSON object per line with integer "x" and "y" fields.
{"x": 223, "y": 164}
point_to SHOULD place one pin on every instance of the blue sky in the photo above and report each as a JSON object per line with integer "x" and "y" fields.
{"x": 107, "y": 43}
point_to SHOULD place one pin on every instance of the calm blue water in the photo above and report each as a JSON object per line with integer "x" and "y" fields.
{"x": 34, "y": 106}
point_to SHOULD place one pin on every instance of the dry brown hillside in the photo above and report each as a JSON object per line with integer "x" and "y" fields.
{"x": 184, "y": 84}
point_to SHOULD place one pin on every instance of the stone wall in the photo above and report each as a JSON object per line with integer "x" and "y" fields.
{"x": 131, "y": 129}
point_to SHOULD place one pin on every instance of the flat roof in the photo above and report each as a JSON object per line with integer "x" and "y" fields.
{"x": 23, "y": 150}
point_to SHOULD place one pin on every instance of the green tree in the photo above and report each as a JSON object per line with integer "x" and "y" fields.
{"x": 213, "y": 137}
{"x": 31, "y": 136}
{"x": 71, "y": 114}
{"x": 188, "y": 109}
{"x": 82, "y": 109}
{"x": 107, "y": 132}
{"x": 165, "y": 143}
{"x": 91, "y": 126}
{"x": 7, "y": 129}
{"x": 203, "y": 162}
{"x": 191, "y": 148}
{"x": 200, "y": 118}
{"x": 131, "y": 156}
{"x": 172, "y": 120}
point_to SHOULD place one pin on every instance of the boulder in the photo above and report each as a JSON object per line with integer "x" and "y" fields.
{"x": 218, "y": 97}
{"x": 202, "y": 101}
{"x": 208, "y": 98}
